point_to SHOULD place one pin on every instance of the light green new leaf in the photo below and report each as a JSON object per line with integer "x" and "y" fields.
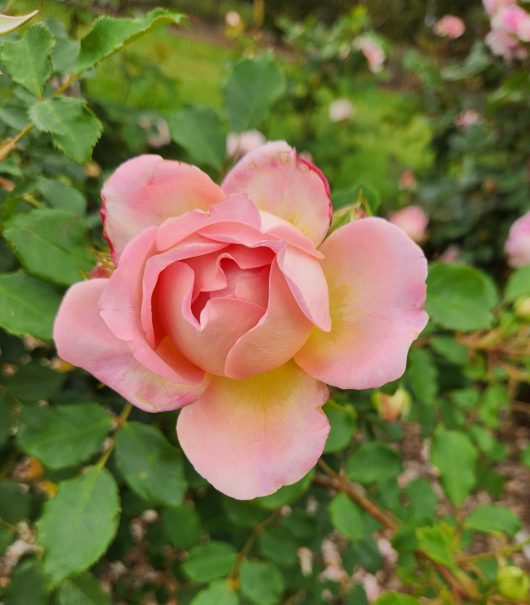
{"x": 201, "y": 132}
{"x": 518, "y": 284}
{"x": 65, "y": 435}
{"x": 395, "y": 598}
{"x": 28, "y": 60}
{"x": 252, "y": 87}
{"x": 27, "y": 305}
{"x": 82, "y": 590}
{"x": 455, "y": 456}
{"x": 74, "y": 130}
{"x": 50, "y": 244}
{"x": 210, "y": 561}
{"x": 436, "y": 543}
{"x": 261, "y": 583}
{"x": 346, "y": 517}
{"x": 109, "y": 34}
{"x": 78, "y": 525}
{"x": 460, "y": 297}
{"x": 9, "y": 23}
{"x": 218, "y": 593}
{"x": 492, "y": 519}
{"x": 150, "y": 465}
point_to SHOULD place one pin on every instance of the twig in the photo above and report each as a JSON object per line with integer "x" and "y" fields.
{"x": 122, "y": 418}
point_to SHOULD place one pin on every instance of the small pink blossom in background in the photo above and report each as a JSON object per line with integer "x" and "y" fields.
{"x": 341, "y": 110}
{"x": 233, "y": 19}
{"x": 412, "y": 220}
{"x": 238, "y": 144}
{"x": 220, "y": 304}
{"x": 372, "y": 51}
{"x": 449, "y": 26}
{"x": 407, "y": 180}
{"x": 510, "y": 29}
{"x": 467, "y": 118}
{"x": 518, "y": 243}
{"x": 451, "y": 254}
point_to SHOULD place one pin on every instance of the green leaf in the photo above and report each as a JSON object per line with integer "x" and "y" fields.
{"x": 346, "y": 517}
{"x": 518, "y": 284}
{"x": 252, "y": 87}
{"x": 210, "y": 561}
{"x": 28, "y": 60}
{"x": 34, "y": 381}
{"x": 261, "y": 583}
{"x": 27, "y": 305}
{"x": 64, "y": 435}
{"x": 73, "y": 128}
{"x": 455, "y": 456}
{"x": 450, "y": 348}
{"x": 286, "y": 494}
{"x": 150, "y": 465}
{"x": 14, "y": 503}
{"x": 201, "y": 132}
{"x": 492, "y": 519}
{"x": 278, "y": 546}
{"x": 372, "y": 462}
{"x": 82, "y": 590}
{"x": 436, "y": 543}
{"x": 460, "y": 297}
{"x": 182, "y": 526}
{"x": 218, "y": 593}
{"x": 6, "y": 418}
{"x": 78, "y": 525}
{"x": 27, "y": 585}
{"x": 422, "y": 498}
{"x": 525, "y": 456}
{"x": 10, "y": 23}
{"x": 61, "y": 196}
{"x": 342, "y": 420}
{"x": 50, "y": 244}
{"x": 395, "y": 598}
{"x": 110, "y": 34}
{"x": 423, "y": 376}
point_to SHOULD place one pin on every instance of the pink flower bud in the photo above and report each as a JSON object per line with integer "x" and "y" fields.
{"x": 412, "y": 220}
{"x": 450, "y": 27}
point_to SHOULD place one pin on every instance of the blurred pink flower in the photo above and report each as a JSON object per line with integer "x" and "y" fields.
{"x": 518, "y": 243}
{"x": 372, "y": 51}
{"x": 451, "y": 254}
{"x": 233, "y": 18}
{"x": 340, "y": 110}
{"x": 510, "y": 26}
{"x": 450, "y": 26}
{"x": 238, "y": 144}
{"x": 412, "y": 220}
{"x": 467, "y": 118}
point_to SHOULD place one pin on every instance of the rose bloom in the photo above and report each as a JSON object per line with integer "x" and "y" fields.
{"x": 372, "y": 51}
{"x": 510, "y": 25}
{"x": 230, "y": 303}
{"x": 238, "y": 144}
{"x": 450, "y": 26}
{"x": 412, "y": 220}
{"x": 518, "y": 243}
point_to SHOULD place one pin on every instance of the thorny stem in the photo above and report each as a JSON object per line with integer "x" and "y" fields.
{"x": 122, "y": 418}
{"x": 249, "y": 544}
{"x": 505, "y": 551}
{"x": 461, "y": 587}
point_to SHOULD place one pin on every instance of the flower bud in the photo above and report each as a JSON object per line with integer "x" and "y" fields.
{"x": 513, "y": 582}
{"x": 522, "y": 307}
{"x": 392, "y": 407}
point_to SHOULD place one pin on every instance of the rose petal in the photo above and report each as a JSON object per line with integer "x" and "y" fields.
{"x": 147, "y": 190}
{"x": 277, "y": 336}
{"x": 278, "y": 181}
{"x": 120, "y": 308}
{"x": 83, "y": 339}
{"x": 222, "y": 321}
{"x": 249, "y": 438}
{"x": 376, "y": 277}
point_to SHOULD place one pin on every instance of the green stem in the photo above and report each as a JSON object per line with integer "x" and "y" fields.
{"x": 122, "y": 419}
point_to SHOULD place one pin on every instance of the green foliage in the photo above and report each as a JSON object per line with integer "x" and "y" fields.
{"x": 489, "y": 518}
{"x": 78, "y": 524}
{"x": 210, "y": 561}
{"x": 73, "y": 128}
{"x": 9, "y": 23}
{"x": 150, "y": 465}
{"x": 518, "y": 284}
{"x": 261, "y": 583}
{"x": 50, "y": 244}
{"x": 346, "y": 517}
{"x": 218, "y": 593}
{"x": 373, "y": 462}
{"x": 253, "y": 86}
{"x": 82, "y": 590}
{"x": 27, "y": 60}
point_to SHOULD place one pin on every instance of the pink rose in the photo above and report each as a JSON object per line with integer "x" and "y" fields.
{"x": 510, "y": 26}
{"x": 450, "y": 26}
{"x": 228, "y": 302}
{"x": 412, "y": 220}
{"x": 373, "y": 52}
{"x": 518, "y": 243}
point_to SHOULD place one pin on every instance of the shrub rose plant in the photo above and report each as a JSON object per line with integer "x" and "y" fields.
{"x": 233, "y": 303}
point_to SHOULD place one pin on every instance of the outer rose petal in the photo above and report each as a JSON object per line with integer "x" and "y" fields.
{"x": 147, "y": 190}
{"x": 279, "y": 182}
{"x": 376, "y": 277}
{"x": 83, "y": 339}
{"x": 249, "y": 438}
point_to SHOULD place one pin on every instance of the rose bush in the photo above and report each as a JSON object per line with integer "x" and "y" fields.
{"x": 231, "y": 303}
